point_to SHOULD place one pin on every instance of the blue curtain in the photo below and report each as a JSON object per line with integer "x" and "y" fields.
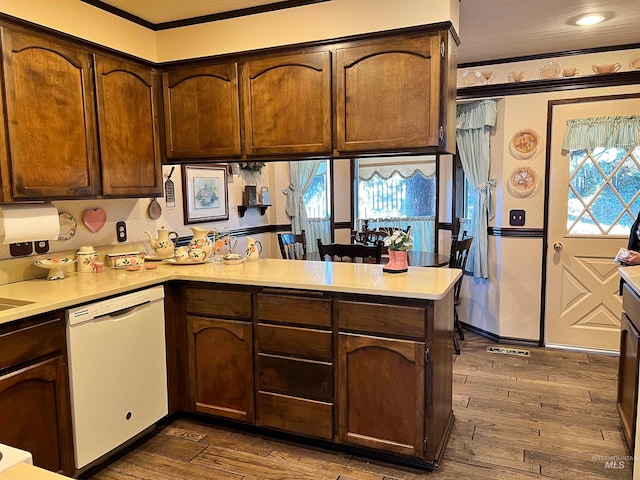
{"x": 605, "y": 132}
{"x": 473, "y": 129}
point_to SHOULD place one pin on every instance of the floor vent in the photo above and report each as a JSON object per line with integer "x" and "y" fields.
{"x": 508, "y": 351}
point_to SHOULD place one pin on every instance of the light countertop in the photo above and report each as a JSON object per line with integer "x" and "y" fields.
{"x": 23, "y": 471}
{"x": 632, "y": 276}
{"x": 78, "y": 288}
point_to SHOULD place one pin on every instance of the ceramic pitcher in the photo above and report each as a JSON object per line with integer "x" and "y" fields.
{"x": 163, "y": 245}
{"x": 254, "y": 249}
{"x": 201, "y": 240}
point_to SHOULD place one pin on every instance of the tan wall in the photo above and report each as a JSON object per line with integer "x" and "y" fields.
{"x": 84, "y": 21}
{"x": 318, "y": 21}
{"x": 508, "y": 303}
{"x": 283, "y": 27}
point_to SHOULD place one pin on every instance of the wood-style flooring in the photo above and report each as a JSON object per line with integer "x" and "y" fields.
{"x": 551, "y": 415}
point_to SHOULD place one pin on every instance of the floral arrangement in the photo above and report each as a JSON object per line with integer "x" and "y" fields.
{"x": 399, "y": 240}
{"x": 252, "y": 166}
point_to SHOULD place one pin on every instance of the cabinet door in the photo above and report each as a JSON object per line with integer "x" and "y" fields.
{"x": 628, "y": 379}
{"x": 51, "y": 118}
{"x": 381, "y": 399}
{"x": 388, "y": 94}
{"x": 221, "y": 367}
{"x": 287, "y": 104}
{"x": 35, "y": 414}
{"x": 202, "y": 112}
{"x": 130, "y": 152}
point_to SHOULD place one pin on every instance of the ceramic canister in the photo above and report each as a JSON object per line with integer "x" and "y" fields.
{"x": 86, "y": 258}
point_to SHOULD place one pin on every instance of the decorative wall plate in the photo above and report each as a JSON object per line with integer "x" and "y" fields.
{"x": 94, "y": 220}
{"x": 470, "y": 77}
{"x": 68, "y": 226}
{"x": 549, "y": 70}
{"x": 522, "y": 182}
{"x": 524, "y": 144}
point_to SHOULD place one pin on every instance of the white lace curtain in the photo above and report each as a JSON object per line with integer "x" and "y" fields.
{"x": 301, "y": 175}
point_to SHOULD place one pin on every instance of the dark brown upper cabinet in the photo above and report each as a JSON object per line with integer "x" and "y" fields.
{"x": 287, "y": 104}
{"x": 202, "y": 112}
{"x": 129, "y": 97}
{"x": 388, "y": 94}
{"x": 51, "y": 149}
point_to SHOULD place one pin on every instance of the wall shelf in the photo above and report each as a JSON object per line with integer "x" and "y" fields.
{"x": 243, "y": 208}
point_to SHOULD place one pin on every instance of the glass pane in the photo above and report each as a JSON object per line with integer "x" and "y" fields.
{"x": 603, "y": 186}
{"x": 316, "y": 198}
{"x": 627, "y": 180}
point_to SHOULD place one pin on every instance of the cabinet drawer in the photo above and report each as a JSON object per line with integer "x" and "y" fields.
{"x": 27, "y": 343}
{"x": 385, "y": 319}
{"x": 303, "y": 342}
{"x": 307, "y": 417}
{"x": 219, "y": 302}
{"x": 300, "y": 378}
{"x": 298, "y": 310}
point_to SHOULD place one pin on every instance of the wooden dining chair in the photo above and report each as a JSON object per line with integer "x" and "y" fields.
{"x": 349, "y": 252}
{"x": 293, "y": 246}
{"x": 458, "y": 259}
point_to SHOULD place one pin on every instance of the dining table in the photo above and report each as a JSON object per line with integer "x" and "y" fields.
{"x": 416, "y": 258}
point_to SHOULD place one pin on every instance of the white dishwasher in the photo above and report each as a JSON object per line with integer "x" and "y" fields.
{"x": 117, "y": 368}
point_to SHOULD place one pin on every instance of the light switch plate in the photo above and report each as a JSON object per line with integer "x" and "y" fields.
{"x": 516, "y": 218}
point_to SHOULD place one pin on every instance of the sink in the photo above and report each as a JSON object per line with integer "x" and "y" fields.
{"x": 8, "y": 303}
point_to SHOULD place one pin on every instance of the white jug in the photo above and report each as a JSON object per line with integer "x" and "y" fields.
{"x": 254, "y": 249}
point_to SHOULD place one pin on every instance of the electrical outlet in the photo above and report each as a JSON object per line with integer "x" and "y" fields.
{"x": 121, "y": 232}
{"x": 42, "y": 246}
{"x": 19, "y": 249}
{"x": 516, "y": 218}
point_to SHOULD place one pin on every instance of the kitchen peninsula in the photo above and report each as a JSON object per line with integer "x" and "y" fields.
{"x": 341, "y": 354}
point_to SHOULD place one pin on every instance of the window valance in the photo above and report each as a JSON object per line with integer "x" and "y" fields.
{"x": 605, "y": 132}
{"x": 404, "y": 166}
{"x": 474, "y": 115}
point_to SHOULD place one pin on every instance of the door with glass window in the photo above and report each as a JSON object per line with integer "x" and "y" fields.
{"x": 594, "y": 196}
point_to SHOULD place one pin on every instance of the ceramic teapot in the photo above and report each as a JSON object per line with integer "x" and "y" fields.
{"x": 163, "y": 245}
{"x": 254, "y": 249}
{"x": 201, "y": 240}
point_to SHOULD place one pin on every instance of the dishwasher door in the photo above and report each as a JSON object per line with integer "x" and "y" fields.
{"x": 117, "y": 366}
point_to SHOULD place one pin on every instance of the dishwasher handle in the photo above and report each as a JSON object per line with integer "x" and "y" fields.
{"x": 122, "y": 313}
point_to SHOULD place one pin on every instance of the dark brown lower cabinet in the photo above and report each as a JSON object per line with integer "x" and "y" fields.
{"x": 381, "y": 393}
{"x": 628, "y": 366}
{"x": 221, "y": 367}
{"x": 35, "y": 412}
{"x": 365, "y": 372}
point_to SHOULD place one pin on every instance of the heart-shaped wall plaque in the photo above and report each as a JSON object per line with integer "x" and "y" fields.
{"x": 94, "y": 220}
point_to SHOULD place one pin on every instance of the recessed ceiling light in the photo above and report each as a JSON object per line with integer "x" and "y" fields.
{"x": 590, "y": 19}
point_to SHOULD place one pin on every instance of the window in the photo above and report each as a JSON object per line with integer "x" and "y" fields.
{"x": 604, "y": 191}
{"x": 316, "y": 198}
{"x": 398, "y": 192}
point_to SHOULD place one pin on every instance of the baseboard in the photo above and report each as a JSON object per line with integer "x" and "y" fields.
{"x": 498, "y": 338}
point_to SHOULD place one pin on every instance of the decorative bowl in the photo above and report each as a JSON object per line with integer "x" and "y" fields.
{"x": 55, "y": 266}
{"x": 232, "y": 259}
{"x": 126, "y": 259}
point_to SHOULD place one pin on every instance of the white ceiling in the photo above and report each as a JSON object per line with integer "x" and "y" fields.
{"x": 489, "y": 29}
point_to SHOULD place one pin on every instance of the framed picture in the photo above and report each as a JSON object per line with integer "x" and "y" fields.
{"x": 206, "y": 197}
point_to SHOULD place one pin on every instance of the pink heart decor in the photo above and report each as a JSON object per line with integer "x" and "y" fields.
{"x": 94, "y": 220}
